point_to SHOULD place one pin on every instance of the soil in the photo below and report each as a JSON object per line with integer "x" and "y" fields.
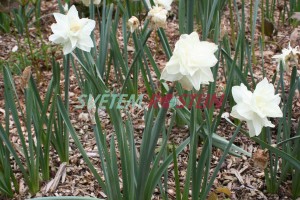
{"x": 241, "y": 176}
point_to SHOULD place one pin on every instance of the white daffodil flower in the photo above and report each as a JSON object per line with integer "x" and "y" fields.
{"x": 288, "y": 55}
{"x": 166, "y": 4}
{"x": 157, "y": 16}
{"x": 133, "y": 23}
{"x": 256, "y": 107}
{"x": 191, "y": 62}
{"x": 72, "y": 32}
{"x": 87, "y": 2}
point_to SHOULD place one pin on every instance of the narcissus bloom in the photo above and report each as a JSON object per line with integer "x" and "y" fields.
{"x": 288, "y": 56}
{"x": 157, "y": 16}
{"x": 191, "y": 62}
{"x": 256, "y": 107}
{"x": 72, "y": 32}
{"x": 87, "y": 2}
{"x": 133, "y": 23}
{"x": 164, "y": 3}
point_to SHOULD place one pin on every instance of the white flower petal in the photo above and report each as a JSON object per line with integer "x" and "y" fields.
{"x": 59, "y": 29}
{"x": 202, "y": 76}
{"x": 60, "y": 18}
{"x": 254, "y": 127}
{"x": 240, "y": 93}
{"x": 173, "y": 66}
{"x": 72, "y": 14}
{"x": 244, "y": 111}
{"x": 235, "y": 114}
{"x": 206, "y": 60}
{"x": 170, "y": 77}
{"x": 208, "y": 47}
{"x": 272, "y": 109}
{"x": 186, "y": 83}
{"x": 57, "y": 39}
{"x": 164, "y": 3}
{"x": 68, "y": 48}
{"x": 85, "y": 44}
{"x": 89, "y": 26}
{"x": 264, "y": 87}
{"x": 73, "y": 41}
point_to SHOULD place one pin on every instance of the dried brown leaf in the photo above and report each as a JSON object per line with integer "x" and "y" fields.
{"x": 213, "y": 196}
{"x": 260, "y": 158}
{"x": 223, "y": 190}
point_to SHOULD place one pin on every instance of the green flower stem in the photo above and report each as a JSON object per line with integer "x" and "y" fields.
{"x": 67, "y": 86}
{"x": 232, "y": 21}
{"x": 263, "y": 22}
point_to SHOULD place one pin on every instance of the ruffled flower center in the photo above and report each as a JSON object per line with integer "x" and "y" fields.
{"x": 260, "y": 101}
{"x": 75, "y": 27}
